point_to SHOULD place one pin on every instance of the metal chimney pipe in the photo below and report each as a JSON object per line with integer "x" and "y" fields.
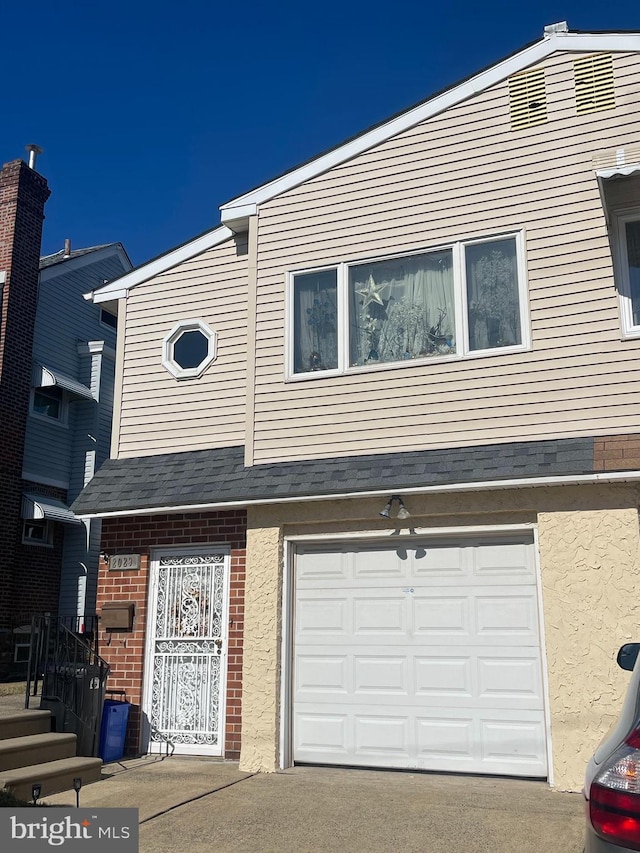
{"x": 67, "y": 248}
{"x": 33, "y": 150}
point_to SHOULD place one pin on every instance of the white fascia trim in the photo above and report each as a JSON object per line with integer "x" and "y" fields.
{"x": 121, "y": 286}
{"x": 95, "y": 348}
{"x": 484, "y": 486}
{"x": 574, "y": 42}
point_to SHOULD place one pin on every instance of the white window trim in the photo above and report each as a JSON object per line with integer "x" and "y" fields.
{"x": 63, "y": 420}
{"x": 38, "y": 543}
{"x": 169, "y": 340}
{"x": 621, "y": 263}
{"x": 461, "y": 314}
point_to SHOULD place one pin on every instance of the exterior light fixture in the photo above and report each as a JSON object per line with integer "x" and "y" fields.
{"x": 402, "y": 513}
{"x": 77, "y": 784}
{"x": 36, "y": 790}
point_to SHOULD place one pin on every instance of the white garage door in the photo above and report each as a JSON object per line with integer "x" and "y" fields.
{"x": 425, "y": 657}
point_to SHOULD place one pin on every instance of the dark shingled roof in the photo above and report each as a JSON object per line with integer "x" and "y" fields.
{"x": 59, "y": 257}
{"x": 219, "y": 476}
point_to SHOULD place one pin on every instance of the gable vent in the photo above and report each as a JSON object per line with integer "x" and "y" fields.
{"x": 527, "y": 99}
{"x": 594, "y": 83}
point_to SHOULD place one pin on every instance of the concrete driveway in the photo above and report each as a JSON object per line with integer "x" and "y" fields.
{"x": 190, "y": 805}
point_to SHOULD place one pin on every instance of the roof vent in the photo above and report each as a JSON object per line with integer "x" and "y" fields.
{"x": 527, "y": 99}
{"x": 594, "y": 83}
{"x": 560, "y": 27}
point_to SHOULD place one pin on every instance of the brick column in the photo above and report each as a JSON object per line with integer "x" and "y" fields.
{"x": 23, "y": 194}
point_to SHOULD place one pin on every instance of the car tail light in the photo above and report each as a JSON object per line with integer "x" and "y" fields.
{"x": 614, "y": 796}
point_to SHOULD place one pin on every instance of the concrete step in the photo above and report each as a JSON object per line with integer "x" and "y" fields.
{"x": 54, "y": 776}
{"x": 24, "y": 723}
{"x": 36, "y": 749}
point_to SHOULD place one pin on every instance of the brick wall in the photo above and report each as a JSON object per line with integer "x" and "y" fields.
{"x": 616, "y": 453}
{"x": 124, "y": 650}
{"x": 23, "y": 194}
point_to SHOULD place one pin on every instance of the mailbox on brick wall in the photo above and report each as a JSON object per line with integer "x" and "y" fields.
{"x": 117, "y": 615}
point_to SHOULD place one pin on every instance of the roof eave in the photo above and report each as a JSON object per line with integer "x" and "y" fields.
{"x": 120, "y": 286}
{"x": 573, "y": 42}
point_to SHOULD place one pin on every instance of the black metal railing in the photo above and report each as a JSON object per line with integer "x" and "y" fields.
{"x": 68, "y": 675}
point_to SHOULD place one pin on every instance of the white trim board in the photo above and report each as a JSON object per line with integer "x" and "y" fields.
{"x": 119, "y": 287}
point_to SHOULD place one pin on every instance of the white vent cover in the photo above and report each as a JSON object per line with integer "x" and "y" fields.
{"x": 527, "y": 99}
{"x": 594, "y": 83}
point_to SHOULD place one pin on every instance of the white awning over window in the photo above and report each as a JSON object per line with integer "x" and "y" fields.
{"x": 41, "y": 506}
{"x": 619, "y": 171}
{"x": 617, "y": 162}
{"x": 45, "y": 377}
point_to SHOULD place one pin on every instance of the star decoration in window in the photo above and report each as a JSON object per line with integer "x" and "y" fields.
{"x": 371, "y": 292}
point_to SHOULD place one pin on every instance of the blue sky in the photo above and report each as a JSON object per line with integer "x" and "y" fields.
{"x": 152, "y": 115}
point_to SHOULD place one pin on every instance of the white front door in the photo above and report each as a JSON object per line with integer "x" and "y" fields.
{"x": 421, "y": 655}
{"x": 186, "y": 650}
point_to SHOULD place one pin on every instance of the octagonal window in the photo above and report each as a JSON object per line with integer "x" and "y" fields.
{"x": 189, "y": 349}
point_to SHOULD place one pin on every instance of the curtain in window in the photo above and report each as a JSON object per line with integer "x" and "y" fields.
{"x": 402, "y": 309}
{"x": 493, "y": 304}
{"x": 315, "y": 321}
{"x": 633, "y": 256}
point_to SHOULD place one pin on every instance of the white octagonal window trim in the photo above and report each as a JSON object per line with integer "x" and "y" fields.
{"x": 189, "y": 349}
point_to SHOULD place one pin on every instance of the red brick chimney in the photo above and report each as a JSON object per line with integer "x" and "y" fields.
{"x": 23, "y": 194}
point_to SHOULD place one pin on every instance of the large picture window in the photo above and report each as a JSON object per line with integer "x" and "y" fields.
{"x": 401, "y": 308}
{"x": 628, "y": 230}
{"x": 458, "y": 301}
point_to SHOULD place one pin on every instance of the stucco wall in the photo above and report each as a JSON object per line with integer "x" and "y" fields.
{"x": 589, "y": 545}
{"x": 590, "y": 563}
{"x": 261, "y": 668}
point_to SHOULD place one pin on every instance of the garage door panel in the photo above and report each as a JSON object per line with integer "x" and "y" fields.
{"x": 513, "y": 560}
{"x": 319, "y": 566}
{"x": 322, "y": 673}
{"x": 504, "y": 681}
{"x": 380, "y": 616}
{"x": 513, "y": 746}
{"x": 376, "y": 564}
{"x": 444, "y": 741}
{"x": 439, "y": 562}
{"x": 317, "y": 735}
{"x": 426, "y": 658}
{"x": 322, "y": 616}
{"x": 507, "y": 615}
{"x": 381, "y": 735}
{"x": 381, "y": 675}
{"x": 443, "y": 678}
{"x": 440, "y": 615}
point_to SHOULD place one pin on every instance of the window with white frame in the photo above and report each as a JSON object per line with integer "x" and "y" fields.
{"x": 189, "y": 349}
{"x": 628, "y": 233}
{"x": 49, "y": 403}
{"x": 37, "y": 532}
{"x": 460, "y": 300}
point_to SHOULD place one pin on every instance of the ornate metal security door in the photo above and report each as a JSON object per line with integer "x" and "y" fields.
{"x": 186, "y": 651}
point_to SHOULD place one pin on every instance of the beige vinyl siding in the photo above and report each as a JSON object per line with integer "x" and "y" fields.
{"x": 463, "y": 174}
{"x": 158, "y": 413}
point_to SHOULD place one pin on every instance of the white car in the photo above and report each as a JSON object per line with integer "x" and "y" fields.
{"x": 612, "y": 782}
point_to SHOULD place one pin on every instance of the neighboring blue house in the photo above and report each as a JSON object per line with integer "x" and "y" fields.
{"x": 69, "y": 425}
